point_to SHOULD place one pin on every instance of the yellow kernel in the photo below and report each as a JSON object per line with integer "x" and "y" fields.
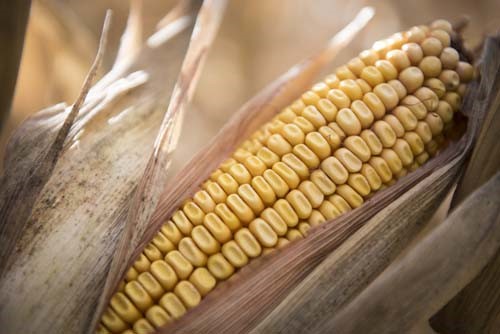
{"x": 164, "y": 274}
{"x": 371, "y": 139}
{"x": 335, "y": 170}
{"x": 450, "y": 79}
{"x": 304, "y": 228}
{"x": 385, "y": 133}
{"x": 310, "y": 98}
{"x": 428, "y": 98}
{"x": 445, "y": 111}
{"x": 187, "y": 293}
{"x": 387, "y": 69}
{"x": 247, "y": 242}
{"x": 365, "y": 87}
{"x": 318, "y": 145}
{"x": 316, "y": 218}
{"x": 312, "y": 114}
{"x": 415, "y": 142}
{"x": 356, "y": 65}
{"x": 348, "y": 159}
{"x": 227, "y": 216}
{"x": 287, "y": 115}
{"x": 328, "y": 210}
{"x": 285, "y": 210}
{"x": 151, "y": 285}
{"x": 138, "y": 295}
{"x": 415, "y": 105}
{"x": 163, "y": 245}
{"x": 432, "y": 148}
{"x": 240, "y": 208}
{"x": 422, "y": 158}
{"x": 297, "y": 106}
{"x": 436, "y": 85}
{"x": 240, "y": 154}
{"x": 461, "y": 90}
{"x": 182, "y": 223}
{"x": 344, "y": 73}
{"x": 193, "y": 213}
{"x": 124, "y": 308}
{"x": 435, "y": 123}
{"x": 395, "y": 124}
{"x": 131, "y": 274}
{"x": 275, "y": 221}
{"x": 351, "y": 89}
{"x": 294, "y": 234}
{"x": 332, "y": 138}
{"x": 402, "y": 173}
{"x": 412, "y": 78}
{"x": 387, "y": 95}
{"x": 363, "y": 113}
{"x": 296, "y": 164}
{"x": 204, "y": 201}
{"x": 327, "y": 109}
{"x": 279, "y": 186}
{"x": 157, "y": 316}
{"x": 358, "y": 146}
{"x": 430, "y": 66}
{"x": 332, "y": 81}
{"x": 303, "y": 124}
{"x": 449, "y": 58}
{"x": 404, "y": 152}
{"x": 382, "y": 168}
{"x": 113, "y": 321}
{"x": 293, "y": 134}
{"x": 255, "y": 166}
{"x": 375, "y": 104}
{"x": 372, "y": 76}
{"x": 414, "y": 53}
{"x": 203, "y": 281}
{"x": 359, "y": 183}
{"x": 225, "y": 165}
{"x": 179, "y": 263}
{"x": 416, "y": 35}
{"x": 278, "y": 144}
{"x": 432, "y": 46}
{"x": 153, "y": 253}
{"x": 219, "y": 266}
{"x": 103, "y": 330}
{"x": 465, "y": 71}
{"x": 215, "y": 191}
{"x": 287, "y": 174}
{"x": 371, "y": 177}
{"x": 399, "y": 88}
{"x": 264, "y": 190}
{"x": 442, "y": 36}
{"x": 217, "y": 228}
{"x": 234, "y": 254}
{"x": 424, "y": 131}
{"x": 340, "y": 203}
{"x": 204, "y": 240}
{"x": 228, "y": 183}
{"x": 348, "y": 121}
{"x": 263, "y": 232}
{"x": 369, "y": 57}
{"x": 321, "y": 89}
{"x": 405, "y": 117}
{"x": 251, "y": 198}
{"x": 282, "y": 242}
{"x": 312, "y": 193}
{"x": 442, "y": 25}
{"x": 267, "y": 156}
{"x": 453, "y": 99}
{"x": 339, "y": 98}
{"x": 299, "y": 203}
{"x": 323, "y": 182}
{"x": 142, "y": 263}
{"x": 392, "y": 159}
{"x": 338, "y": 130}
{"x": 306, "y": 155}
{"x": 399, "y": 59}
{"x": 173, "y": 305}
{"x": 350, "y": 195}
{"x": 240, "y": 173}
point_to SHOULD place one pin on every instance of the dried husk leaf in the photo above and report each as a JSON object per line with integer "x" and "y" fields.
{"x": 240, "y": 304}
{"x": 59, "y": 264}
{"x": 417, "y": 286}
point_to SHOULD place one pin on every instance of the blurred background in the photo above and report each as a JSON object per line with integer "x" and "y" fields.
{"x": 258, "y": 41}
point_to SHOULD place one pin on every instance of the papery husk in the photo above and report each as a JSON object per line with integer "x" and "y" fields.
{"x": 388, "y": 220}
{"x": 58, "y": 259}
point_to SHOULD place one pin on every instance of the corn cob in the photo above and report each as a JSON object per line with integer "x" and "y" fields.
{"x": 382, "y": 115}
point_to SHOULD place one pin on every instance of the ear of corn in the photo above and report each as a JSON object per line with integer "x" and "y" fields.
{"x": 377, "y": 118}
